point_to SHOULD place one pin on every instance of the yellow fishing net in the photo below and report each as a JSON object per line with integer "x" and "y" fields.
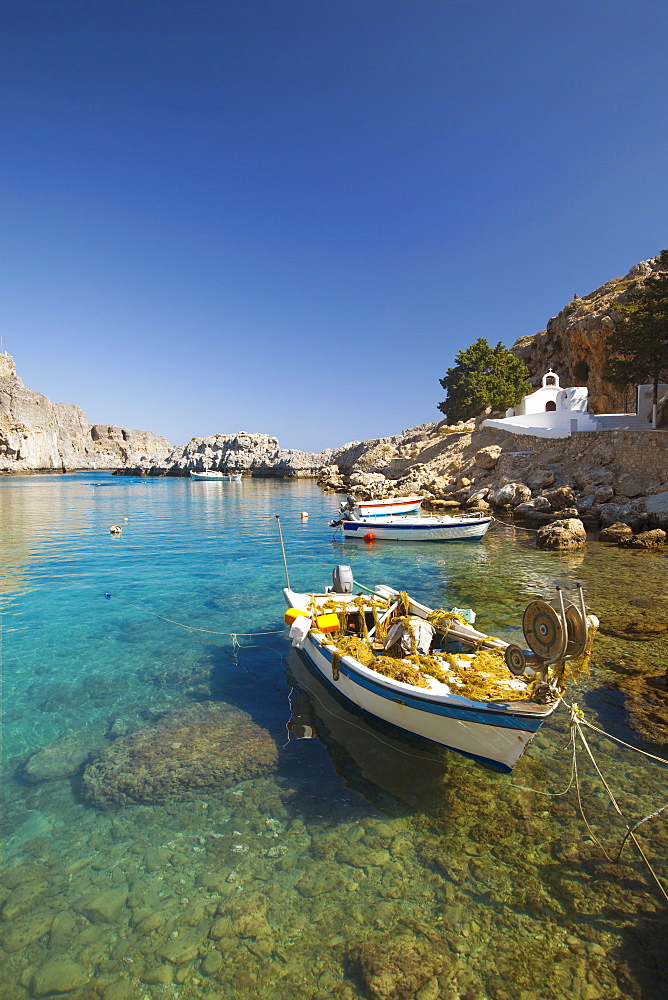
{"x": 483, "y": 677}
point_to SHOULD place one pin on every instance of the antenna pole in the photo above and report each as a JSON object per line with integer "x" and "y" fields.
{"x": 285, "y": 562}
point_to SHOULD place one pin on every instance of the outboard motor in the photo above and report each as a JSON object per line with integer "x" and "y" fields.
{"x": 342, "y": 580}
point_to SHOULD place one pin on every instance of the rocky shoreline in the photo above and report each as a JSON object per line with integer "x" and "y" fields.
{"x": 562, "y": 488}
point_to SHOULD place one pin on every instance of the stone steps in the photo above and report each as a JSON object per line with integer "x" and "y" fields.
{"x": 620, "y": 421}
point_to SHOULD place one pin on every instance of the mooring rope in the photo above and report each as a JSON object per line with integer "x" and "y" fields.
{"x": 512, "y": 527}
{"x": 629, "y": 746}
{"x": 630, "y": 831}
{"x": 194, "y": 628}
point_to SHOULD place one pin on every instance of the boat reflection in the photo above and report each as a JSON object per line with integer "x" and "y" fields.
{"x": 371, "y": 756}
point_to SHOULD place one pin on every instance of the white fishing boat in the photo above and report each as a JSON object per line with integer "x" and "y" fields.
{"x": 431, "y": 673}
{"x": 391, "y": 505}
{"x": 216, "y": 477}
{"x": 426, "y": 528}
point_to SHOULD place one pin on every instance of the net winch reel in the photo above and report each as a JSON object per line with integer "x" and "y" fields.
{"x": 555, "y": 631}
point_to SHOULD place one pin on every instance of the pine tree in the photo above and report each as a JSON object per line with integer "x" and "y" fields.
{"x": 638, "y": 347}
{"x": 483, "y": 376}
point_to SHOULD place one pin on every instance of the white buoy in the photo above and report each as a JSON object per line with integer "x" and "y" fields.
{"x": 115, "y": 529}
{"x": 304, "y": 516}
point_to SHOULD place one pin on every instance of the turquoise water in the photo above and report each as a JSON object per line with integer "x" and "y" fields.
{"x": 353, "y": 864}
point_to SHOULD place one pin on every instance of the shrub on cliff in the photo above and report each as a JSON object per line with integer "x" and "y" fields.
{"x": 483, "y": 376}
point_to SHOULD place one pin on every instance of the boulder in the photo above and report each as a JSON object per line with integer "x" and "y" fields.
{"x": 614, "y": 513}
{"x": 460, "y": 495}
{"x": 541, "y": 479}
{"x": 589, "y": 479}
{"x": 487, "y": 457}
{"x": 657, "y": 510}
{"x": 368, "y": 479}
{"x": 509, "y": 495}
{"x": 568, "y": 533}
{"x": 631, "y": 485}
{"x": 479, "y": 496}
{"x": 561, "y": 498}
{"x": 209, "y": 745}
{"x": 538, "y": 503}
{"x": 615, "y": 533}
{"x": 604, "y": 494}
{"x": 439, "y": 486}
{"x": 646, "y": 539}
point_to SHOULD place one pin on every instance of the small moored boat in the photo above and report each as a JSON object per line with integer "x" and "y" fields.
{"x": 217, "y": 477}
{"x": 431, "y": 673}
{"x": 414, "y": 529}
{"x": 391, "y": 505}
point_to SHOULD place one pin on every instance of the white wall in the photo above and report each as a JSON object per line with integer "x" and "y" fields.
{"x": 645, "y": 397}
{"x": 554, "y": 424}
{"x": 535, "y": 403}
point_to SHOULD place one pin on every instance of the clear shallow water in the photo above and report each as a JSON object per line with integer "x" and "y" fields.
{"x": 361, "y": 866}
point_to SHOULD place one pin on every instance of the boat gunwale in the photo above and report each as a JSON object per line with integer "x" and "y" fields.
{"x": 529, "y": 708}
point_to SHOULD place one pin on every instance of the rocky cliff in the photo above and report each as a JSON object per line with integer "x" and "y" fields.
{"x": 261, "y": 455}
{"x": 574, "y": 341}
{"x": 254, "y": 454}
{"x": 38, "y": 435}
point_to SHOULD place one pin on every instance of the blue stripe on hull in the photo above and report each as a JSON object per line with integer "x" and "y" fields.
{"x": 359, "y": 526}
{"x": 487, "y": 716}
{"x": 378, "y": 723}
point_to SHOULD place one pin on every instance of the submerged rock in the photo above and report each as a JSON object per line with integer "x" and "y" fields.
{"x": 59, "y": 975}
{"x": 204, "y": 746}
{"x": 396, "y": 966}
{"x": 63, "y": 757}
{"x": 637, "y": 629}
{"x": 646, "y": 699}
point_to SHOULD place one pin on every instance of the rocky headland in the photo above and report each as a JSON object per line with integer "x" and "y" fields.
{"x": 574, "y": 342}
{"x": 37, "y": 435}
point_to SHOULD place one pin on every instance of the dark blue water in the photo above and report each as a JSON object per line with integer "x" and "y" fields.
{"x": 353, "y": 864}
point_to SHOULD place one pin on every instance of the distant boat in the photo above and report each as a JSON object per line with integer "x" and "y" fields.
{"x": 217, "y": 477}
{"x": 432, "y": 674}
{"x": 391, "y": 505}
{"x": 414, "y": 529}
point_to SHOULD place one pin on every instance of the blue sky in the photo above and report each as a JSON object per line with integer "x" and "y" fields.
{"x": 288, "y": 216}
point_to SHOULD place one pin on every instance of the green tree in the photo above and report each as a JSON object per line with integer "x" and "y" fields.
{"x": 483, "y": 376}
{"x": 581, "y": 372}
{"x": 638, "y": 347}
